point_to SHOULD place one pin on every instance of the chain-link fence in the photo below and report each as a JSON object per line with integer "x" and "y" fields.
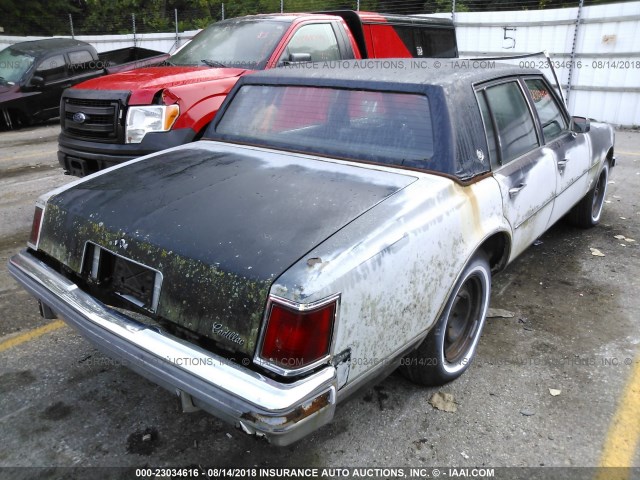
{"x": 97, "y": 18}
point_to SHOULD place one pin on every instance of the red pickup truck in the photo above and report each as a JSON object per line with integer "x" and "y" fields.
{"x": 109, "y": 120}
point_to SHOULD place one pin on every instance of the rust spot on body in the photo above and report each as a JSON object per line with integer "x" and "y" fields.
{"x": 471, "y": 215}
{"x": 296, "y": 415}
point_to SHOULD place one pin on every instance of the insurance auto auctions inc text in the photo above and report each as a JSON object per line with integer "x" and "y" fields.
{"x": 388, "y": 473}
{"x": 387, "y": 64}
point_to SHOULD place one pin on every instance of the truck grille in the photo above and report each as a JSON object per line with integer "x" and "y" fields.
{"x": 89, "y": 118}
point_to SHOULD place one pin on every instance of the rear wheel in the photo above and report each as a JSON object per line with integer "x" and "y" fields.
{"x": 451, "y": 344}
{"x": 587, "y": 212}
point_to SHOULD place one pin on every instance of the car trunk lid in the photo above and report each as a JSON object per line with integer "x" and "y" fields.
{"x": 219, "y": 223}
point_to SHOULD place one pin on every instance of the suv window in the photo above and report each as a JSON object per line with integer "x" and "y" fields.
{"x": 81, "y": 56}
{"x": 318, "y": 39}
{"x": 437, "y": 42}
{"x": 427, "y": 42}
{"x": 551, "y": 117}
{"x": 52, "y": 68}
{"x": 408, "y": 36}
{"x": 516, "y": 129}
{"x": 81, "y": 62}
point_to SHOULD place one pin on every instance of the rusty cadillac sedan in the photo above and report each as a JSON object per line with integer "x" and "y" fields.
{"x": 333, "y": 225}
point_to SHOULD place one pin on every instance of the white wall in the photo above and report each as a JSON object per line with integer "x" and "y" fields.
{"x": 607, "y": 33}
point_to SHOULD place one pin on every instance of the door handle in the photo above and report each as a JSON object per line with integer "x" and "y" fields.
{"x": 516, "y": 190}
{"x": 562, "y": 164}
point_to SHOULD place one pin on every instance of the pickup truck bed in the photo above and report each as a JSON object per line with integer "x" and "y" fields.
{"x": 128, "y": 58}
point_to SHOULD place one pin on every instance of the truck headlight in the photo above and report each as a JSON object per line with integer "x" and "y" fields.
{"x": 156, "y": 118}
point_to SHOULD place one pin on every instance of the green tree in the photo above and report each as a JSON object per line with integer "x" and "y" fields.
{"x": 36, "y": 17}
{"x": 39, "y": 17}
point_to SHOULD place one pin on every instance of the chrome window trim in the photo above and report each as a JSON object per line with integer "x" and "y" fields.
{"x": 300, "y": 307}
{"x": 497, "y": 162}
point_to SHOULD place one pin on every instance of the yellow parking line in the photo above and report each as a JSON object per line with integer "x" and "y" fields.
{"x": 31, "y": 334}
{"x": 635, "y": 154}
{"x": 624, "y": 432}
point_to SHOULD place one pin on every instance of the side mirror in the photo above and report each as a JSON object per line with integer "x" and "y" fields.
{"x": 36, "y": 82}
{"x": 580, "y": 124}
{"x": 298, "y": 58}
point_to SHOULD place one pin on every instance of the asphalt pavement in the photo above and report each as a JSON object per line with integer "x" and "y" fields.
{"x": 553, "y": 383}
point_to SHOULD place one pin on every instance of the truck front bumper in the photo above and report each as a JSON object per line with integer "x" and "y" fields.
{"x": 283, "y": 413}
{"x": 81, "y": 157}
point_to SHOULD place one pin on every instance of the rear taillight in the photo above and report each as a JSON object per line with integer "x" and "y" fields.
{"x": 297, "y": 338}
{"x": 35, "y": 228}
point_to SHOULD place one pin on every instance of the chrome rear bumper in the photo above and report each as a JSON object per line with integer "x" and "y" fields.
{"x": 283, "y": 413}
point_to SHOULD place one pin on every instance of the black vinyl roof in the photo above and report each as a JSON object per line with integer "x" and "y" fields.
{"x": 448, "y": 83}
{"x": 396, "y": 74}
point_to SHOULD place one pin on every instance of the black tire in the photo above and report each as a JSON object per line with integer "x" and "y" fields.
{"x": 16, "y": 119}
{"x": 587, "y": 212}
{"x": 451, "y": 344}
{"x": 6, "y": 120}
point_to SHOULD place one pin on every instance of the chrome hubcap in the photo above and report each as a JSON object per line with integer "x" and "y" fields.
{"x": 598, "y": 196}
{"x": 463, "y": 320}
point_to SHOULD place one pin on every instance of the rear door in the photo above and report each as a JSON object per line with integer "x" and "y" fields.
{"x": 570, "y": 151}
{"x": 524, "y": 169}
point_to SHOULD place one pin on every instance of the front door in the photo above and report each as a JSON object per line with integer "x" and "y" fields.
{"x": 570, "y": 151}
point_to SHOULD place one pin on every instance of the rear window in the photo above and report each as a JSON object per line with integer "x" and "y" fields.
{"x": 384, "y": 127}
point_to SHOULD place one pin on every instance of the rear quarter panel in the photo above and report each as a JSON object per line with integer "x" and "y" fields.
{"x": 396, "y": 264}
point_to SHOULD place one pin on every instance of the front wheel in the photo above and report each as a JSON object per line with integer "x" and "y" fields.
{"x": 587, "y": 212}
{"x": 450, "y": 346}
{"x": 14, "y": 119}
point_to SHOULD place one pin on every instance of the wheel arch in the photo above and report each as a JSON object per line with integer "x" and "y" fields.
{"x": 610, "y": 158}
{"x": 497, "y": 248}
{"x": 18, "y": 117}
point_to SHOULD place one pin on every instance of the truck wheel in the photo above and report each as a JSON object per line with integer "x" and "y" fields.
{"x": 7, "y": 119}
{"x": 13, "y": 119}
{"x": 587, "y": 212}
{"x": 449, "y": 347}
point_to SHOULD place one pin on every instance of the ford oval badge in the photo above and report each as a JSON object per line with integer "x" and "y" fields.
{"x": 79, "y": 117}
